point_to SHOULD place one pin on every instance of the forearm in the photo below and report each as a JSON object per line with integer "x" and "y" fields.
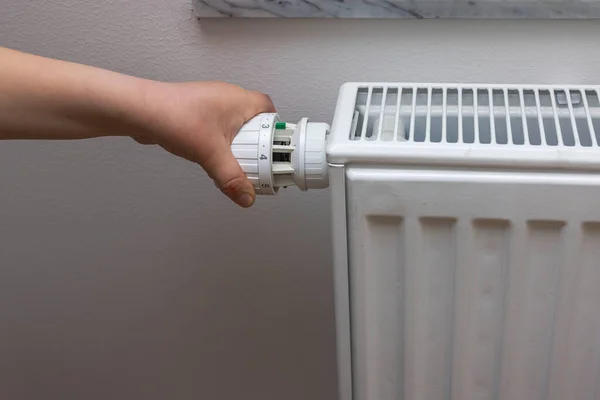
{"x": 42, "y": 98}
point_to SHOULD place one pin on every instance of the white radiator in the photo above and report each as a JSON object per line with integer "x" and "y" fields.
{"x": 466, "y": 236}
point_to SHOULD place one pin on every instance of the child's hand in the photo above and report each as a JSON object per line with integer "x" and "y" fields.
{"x": 198, "y": 121}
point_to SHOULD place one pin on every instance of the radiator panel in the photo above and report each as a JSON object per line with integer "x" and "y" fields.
{"x": 473, "y": 285}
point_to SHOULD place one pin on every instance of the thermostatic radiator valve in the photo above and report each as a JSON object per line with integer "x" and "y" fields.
{"x": 276, "y": 154}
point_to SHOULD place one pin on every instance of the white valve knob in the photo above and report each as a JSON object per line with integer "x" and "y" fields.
{"x": 275, "y": 154}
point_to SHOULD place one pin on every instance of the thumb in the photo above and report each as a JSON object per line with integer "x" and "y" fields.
{"x": 224, "y": 169}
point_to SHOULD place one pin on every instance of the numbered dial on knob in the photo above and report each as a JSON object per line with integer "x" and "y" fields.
{"x": 275, "y": 154}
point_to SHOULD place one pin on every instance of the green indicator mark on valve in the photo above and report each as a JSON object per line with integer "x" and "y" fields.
{"x": 280, "y": 125}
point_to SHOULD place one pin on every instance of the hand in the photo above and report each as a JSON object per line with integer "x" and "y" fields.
{"x": 198, "y": 121}
{"x": 42, "y": 98}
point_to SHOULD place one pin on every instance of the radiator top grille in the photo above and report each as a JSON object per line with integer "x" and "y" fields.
{"x": 492, "y": 125}
{"x": 478, "y": 115}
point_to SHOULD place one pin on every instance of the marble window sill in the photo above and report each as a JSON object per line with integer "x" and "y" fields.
{"x": 566, "y": 9}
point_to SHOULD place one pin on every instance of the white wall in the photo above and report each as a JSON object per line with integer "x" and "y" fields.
{"x": 125, "y": 275}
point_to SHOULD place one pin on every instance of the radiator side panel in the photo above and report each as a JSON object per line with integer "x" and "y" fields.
{"x": 341, "y": 279}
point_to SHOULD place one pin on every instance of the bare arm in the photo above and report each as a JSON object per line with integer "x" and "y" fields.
{"x": 43, "y": 98}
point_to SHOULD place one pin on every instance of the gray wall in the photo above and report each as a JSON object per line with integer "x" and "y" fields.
{"x": 125, "y": 275}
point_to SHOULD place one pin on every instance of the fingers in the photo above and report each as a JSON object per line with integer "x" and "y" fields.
{"x": 224, "y": 169}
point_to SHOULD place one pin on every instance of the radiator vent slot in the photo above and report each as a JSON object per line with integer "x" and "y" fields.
{"x": 478, "y": 115}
